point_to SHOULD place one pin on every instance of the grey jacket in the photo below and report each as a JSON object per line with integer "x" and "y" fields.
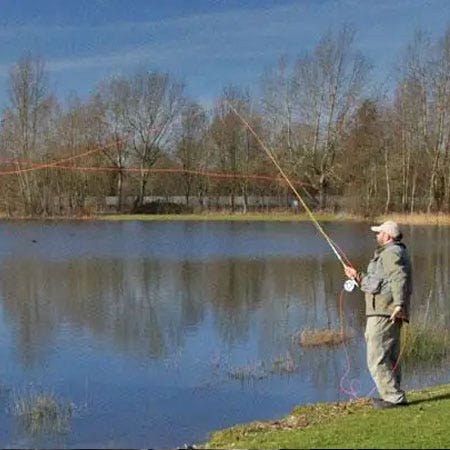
{"x": 388, "y": 282}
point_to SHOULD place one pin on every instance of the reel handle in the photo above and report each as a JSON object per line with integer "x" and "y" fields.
{"x": 350, "y": 285}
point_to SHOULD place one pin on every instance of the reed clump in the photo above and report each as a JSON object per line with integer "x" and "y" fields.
{"x": 322, "y": 337}
{"x": 256, "y": 371}
{"x": 42, "y": 412}
{"x": 282, "y": 365}
{"x": 425, "y": 343}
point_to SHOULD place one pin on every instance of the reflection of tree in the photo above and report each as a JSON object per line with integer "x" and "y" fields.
{"x": 146, "y": 307}
{"x": 143, "y": 306}
{"x": 429, "y": 248}
{"x": 30, "y": 307}
{"x": 235, "y": 291}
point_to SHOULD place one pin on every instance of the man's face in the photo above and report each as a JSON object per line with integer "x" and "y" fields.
{"x": 383, "y": 238}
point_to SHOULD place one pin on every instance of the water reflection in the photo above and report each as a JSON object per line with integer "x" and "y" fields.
{"x": 174, "y": 326}
{"x": 430, "y": 252}
{"x": 147, "y": 307}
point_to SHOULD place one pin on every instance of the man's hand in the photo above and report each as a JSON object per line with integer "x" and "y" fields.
{"x": 351, "y": 272}
{"x": 397, "y": 313}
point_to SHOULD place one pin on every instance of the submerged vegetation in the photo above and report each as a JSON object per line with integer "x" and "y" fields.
{"x": 256, "y": 371}
{"x": 42, "y": 412}
{"x": 283, "y": 365}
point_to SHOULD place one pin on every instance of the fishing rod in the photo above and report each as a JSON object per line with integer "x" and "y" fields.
{"x": 349, "y": 284}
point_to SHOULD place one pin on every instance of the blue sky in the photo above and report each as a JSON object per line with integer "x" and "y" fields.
{"x": 208, "y": 43}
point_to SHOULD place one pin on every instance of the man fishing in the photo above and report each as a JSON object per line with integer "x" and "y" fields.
{"x": 387, "y": 286}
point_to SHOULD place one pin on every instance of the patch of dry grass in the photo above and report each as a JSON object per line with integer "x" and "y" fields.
{"x": 322, "y": 337}
{"x": 279, "y": 215}
{"x": 417, "y": 218}
{"x": 309, "y": 415}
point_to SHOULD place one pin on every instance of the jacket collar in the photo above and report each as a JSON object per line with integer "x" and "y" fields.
{"x": 382, "y": 248}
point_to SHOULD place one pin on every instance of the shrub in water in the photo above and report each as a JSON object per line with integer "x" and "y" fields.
{"x": 42, "y": 413}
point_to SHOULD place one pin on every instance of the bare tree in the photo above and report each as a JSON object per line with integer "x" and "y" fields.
{"x": 191, "y": 148}
{"x": 81, "y": 127}
{"x": 115, "y": 95}
{"x": 361, "y": 158}
{"x": 441, "y": 105}
{"x": 277, "y": 106}
{"x": 328, "y": 85}
{"x": 235, "y": 149}
{"x": 25, "y": 124}
{"x": 153, "y": 106}
{"x": 424, "y": 116}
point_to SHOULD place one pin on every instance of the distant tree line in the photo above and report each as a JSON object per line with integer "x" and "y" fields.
{"x": 355, "y": 147}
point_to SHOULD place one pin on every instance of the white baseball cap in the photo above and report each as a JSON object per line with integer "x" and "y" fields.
{"x": 390, "y": 227}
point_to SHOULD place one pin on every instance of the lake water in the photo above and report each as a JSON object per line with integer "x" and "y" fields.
{"x": 158, "y": 333}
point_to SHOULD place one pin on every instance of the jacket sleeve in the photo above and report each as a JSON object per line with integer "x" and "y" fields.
{"x": 396, "y": 273}
{"x": 369, "y": 282}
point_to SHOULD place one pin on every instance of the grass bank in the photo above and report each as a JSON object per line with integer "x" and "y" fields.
{"x": 405, "y": 219}
{"x": 423, "y": 424}
{"x": 278, "y": 216}
{"x": 411, "y": 219}
{"x": 225, "y": 217}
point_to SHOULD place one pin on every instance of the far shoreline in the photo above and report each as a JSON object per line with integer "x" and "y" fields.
{"x": 439, "y": 219}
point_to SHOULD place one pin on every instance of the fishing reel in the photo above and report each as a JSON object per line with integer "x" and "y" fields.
{"x": 350, "y": 285}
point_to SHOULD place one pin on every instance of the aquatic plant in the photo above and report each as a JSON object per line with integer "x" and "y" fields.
{"x": 425, "y": 343}
{"x": 284, "y": 366}
{"x": 256, "y": 371}
{"x": 322, "y": 337}
{"x": 42, "y": 412}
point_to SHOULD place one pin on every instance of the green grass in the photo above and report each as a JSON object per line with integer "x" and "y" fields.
{"x": 423, "y": 424}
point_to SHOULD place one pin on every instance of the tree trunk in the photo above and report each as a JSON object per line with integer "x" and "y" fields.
{"x": 322, "y": 192}
{"x": 413, "y": 192}
{"x": 388, "y": 183}
{"x": 119, "y": 191}
{"x": 431, "y": 187}
{"x": 143, "y": 184}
